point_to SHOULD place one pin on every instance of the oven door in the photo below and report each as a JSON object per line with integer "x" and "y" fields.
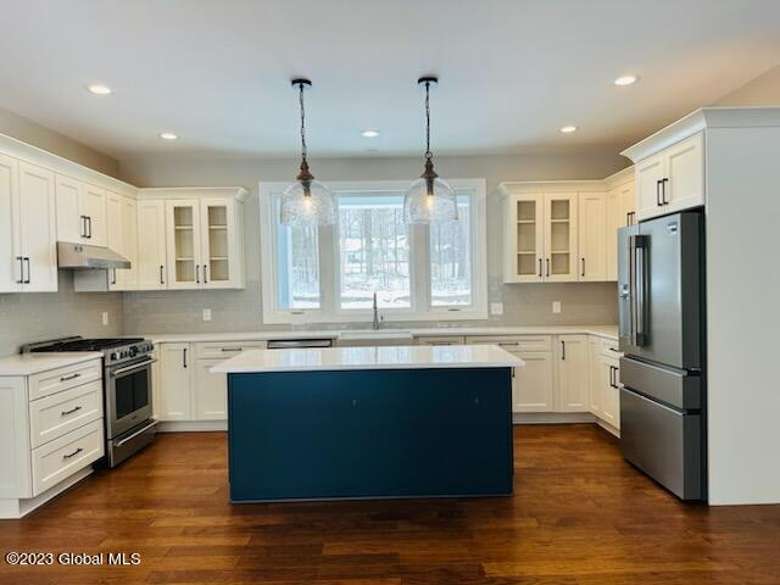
{"x": 128, "y": 396}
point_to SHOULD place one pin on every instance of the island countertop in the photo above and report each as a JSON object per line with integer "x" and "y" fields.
{"x": 369, "y": 358}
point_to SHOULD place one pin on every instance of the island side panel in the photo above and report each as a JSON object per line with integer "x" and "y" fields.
{"x": 370, "y": 434}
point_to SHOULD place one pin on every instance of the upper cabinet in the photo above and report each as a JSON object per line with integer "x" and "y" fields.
{"x": 81, "y": 212}
{"x": 671, "y": 179}
{"x": 10, "y": 244}
{"x": 541, "y": 237}
{"x": 197, "y": 241}
{"x": 593, "y": 237}
{"x": 621, "y": 212}
{"x": 37, "y": 227}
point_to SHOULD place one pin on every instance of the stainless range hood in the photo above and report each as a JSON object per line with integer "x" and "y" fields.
{"x": 87, "y": 257}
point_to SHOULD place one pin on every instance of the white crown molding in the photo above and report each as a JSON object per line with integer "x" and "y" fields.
{"x": 566, "y": 186}
{"x": 620, "y": 178}
{"x": 238, "y": 193}
{"x": 699, "y": 120}
{"x": 15, "y": 148}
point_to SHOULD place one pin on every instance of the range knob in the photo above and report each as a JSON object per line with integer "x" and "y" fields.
{"x": 133, "y": 351}
{"x": 113, "y": 356}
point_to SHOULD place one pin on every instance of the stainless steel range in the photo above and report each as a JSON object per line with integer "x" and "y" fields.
{"x": 127, "y": 389}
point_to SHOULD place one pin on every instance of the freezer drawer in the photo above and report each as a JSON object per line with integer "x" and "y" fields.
{"x": 678, "y": 388}
{"x": 664, "y": 443}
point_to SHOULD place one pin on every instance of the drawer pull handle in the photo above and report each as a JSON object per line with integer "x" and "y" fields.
{"x": 71, "y": 411}
{"x": 71, "y": 455}
{"x": 507, "y": 344}
{"x": 70, "y": 377}
{"x": 231, "y": 349}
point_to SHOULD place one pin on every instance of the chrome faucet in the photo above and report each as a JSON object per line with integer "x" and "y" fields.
{"x": 377, "y": 320}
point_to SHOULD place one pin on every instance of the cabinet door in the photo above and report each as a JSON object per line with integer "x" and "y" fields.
{"x": 151, "y": 246}
{"x": 560, "y": 238}
{"x": 129, "y": 278}
{"x": 685, "y": 173}
{"x": 620, "y": 213}
{"x": 10, "y": 241}
{"x": 114, "y": 236}
{"x": 93, "y": 207}
{"x": 610, "y": 372}
{"x": 38, "y": 228}
{"x": 593, "y": 236}
{"x": 210, "y": 392}
{"x": 524, "y": 238}
{"x": 220, "y": 245}
{"x": 182, "y": 229}
{"x": 595, "y": 376}
{"x": 174, "y": 389}
{"x": 573, "y": 372}
{"x": 71, "y": 225}
{"x": 532, "y": 386}
{"x": 649, "y": 174}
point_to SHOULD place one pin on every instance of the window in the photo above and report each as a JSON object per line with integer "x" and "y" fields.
{"x": 331, "y": 274}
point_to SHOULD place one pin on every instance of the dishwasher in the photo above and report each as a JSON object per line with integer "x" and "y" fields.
{"x": 299, "y": 343}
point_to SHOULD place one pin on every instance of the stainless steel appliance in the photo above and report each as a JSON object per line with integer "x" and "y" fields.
{"x": 127, "y": 390}
{"x": 661, "y": 290}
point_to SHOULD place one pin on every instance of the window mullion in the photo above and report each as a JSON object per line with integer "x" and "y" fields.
{"x": 328, "y": 269}
{"x": 420, "y": 267}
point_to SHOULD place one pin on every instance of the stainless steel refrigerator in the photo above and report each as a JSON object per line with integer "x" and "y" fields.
{"x": 661, "y": 290}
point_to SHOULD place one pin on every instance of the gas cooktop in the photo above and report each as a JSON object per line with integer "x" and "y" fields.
{"x": 115, "y": 349}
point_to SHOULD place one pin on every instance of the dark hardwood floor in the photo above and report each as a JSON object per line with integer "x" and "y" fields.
{"x": 580, "y": 516}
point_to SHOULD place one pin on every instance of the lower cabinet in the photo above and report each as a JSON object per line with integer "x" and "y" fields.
{"x": 572, "y": 353}
{"x": 210, "y": 392}
{"x": 604, "y": 376}
{"x": 184, "y": 388}
{"x": 532, "y": 386}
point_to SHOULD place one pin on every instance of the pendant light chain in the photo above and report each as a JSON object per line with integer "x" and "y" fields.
{"x": 303, "y": 122}
{"x": 428, "y": 153}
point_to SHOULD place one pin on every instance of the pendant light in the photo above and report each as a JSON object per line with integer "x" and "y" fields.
{"x": 429, "y": 199}
{"x": 306, "y": 201}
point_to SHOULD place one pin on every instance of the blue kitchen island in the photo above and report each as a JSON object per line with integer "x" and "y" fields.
{"x": 370, "y": 422}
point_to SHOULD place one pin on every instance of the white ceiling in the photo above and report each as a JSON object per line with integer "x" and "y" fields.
{"x": 512, "y": 72}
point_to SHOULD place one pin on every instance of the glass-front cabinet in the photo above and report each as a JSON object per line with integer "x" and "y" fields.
{"x": 202, "y": 243}
{"x": 541, "y": 236}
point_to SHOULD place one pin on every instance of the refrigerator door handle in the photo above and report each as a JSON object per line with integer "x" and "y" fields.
{"x": 639, "y": 297}
{"x": 632, "y": 290}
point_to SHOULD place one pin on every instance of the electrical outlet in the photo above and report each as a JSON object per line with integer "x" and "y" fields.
{"x": 207, "y": 314}
{"x": 556, "y": 306}
{"x": 496, "y": 308}
{"x": 104, "y": 318}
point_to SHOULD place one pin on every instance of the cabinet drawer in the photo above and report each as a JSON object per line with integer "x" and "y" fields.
{"x": 57, "y": 459}
{"x": 225, "y": 349}
{"x": 609, "y": 348}
{"x": 58, "y": 414}
{"x": 516, "y": 342}
{"x": 441, "y": 340}
{"x": 55, "y": 381}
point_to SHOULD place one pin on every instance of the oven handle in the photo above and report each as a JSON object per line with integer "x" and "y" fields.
{"x": 140, "y": 431}
{"x": 137, "y": 366}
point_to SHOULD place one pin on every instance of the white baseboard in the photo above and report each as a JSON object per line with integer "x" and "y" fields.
{"x": 551, "y": 418}
{"x": 191, "y": 426}
{"x": 608, "y": 427}
{"x": 15, "y": 508}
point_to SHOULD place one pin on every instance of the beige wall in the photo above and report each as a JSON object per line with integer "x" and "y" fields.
{"x": 764, "y": 90}
{"x": 35, "y": 316}
{"x": 526, "y": 304}
{"x": 33, "y": 133}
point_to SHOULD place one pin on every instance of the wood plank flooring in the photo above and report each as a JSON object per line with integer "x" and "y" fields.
{"x": 580, "y": 516}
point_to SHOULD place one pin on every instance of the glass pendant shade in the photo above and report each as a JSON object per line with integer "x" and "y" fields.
{"x": 422, "y": 206}
{"x": 315, "y": 207}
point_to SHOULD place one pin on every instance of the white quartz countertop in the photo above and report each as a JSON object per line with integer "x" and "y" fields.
{"x": 369, "y": 358}
{"x": 27, "y": 364}
{"x": 606, "y": 331}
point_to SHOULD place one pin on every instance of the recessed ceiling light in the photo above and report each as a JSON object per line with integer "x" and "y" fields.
{"x": 568, "y": 129}
{"x": 626, "y": 80}
{"x": 99, "y": 89}
{"x": 169, "y": 136}
{"x": 370, "y": 133}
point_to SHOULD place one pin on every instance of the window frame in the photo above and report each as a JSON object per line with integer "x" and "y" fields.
{"x": 419, "y": 268}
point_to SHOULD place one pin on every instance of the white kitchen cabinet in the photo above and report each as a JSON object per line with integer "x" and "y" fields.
{"x": 128, "y": 279}
{"x": 10, "y": 230}
{"x": 176, "y": 361}
{"x": 210, "y": 391}
{"x": 37, "y": 227}
{"x": 151, "y": 245}
{"x": 182, "y": 242}
{"x": 541, "y": 238}
{"x": 115, "y": 234}
{"x": 81, "y": 212}
{"x": 621, "y": 211}
{"x": 595, "y": 376}
{"x": 573, "y": 387}
{"x": 592, "y": 237}
{"x": 610, "y": 391}
{"x": 671, "y": 180}
{"x": 533, "y": 385}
